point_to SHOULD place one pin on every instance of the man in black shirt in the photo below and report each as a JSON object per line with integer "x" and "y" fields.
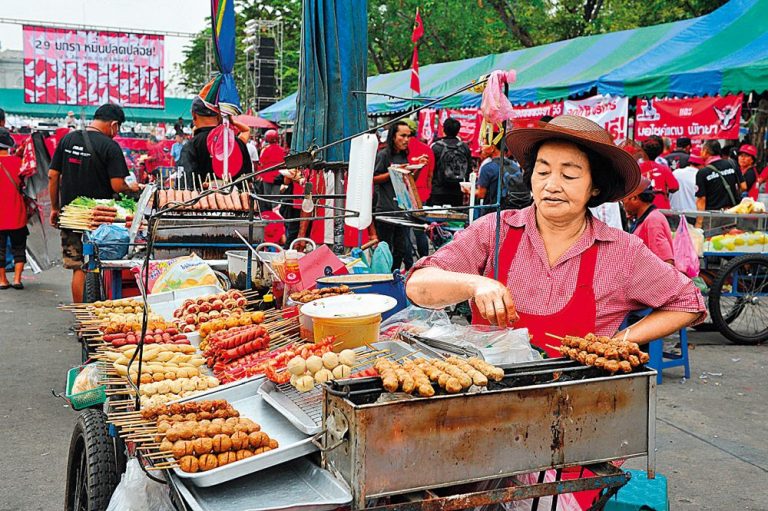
{"x": 718, "y": 183}
{"x": 395, "y": 153}
{"x": 453, "y": 164}
{"x": 86, "y": 163}
{"x": 195, "y": 157}
{"x": 678, "y": 159}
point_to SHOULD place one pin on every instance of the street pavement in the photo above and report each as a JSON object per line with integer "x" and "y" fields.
{"x": 710, "y": 429}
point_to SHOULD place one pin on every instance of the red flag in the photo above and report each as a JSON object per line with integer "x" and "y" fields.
{"x": 418, "y": 32}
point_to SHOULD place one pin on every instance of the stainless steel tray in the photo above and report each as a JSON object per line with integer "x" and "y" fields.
{"x": 305, "y": 409}
{"x": 296, "y": 485}
{"x": 246, "y": 399}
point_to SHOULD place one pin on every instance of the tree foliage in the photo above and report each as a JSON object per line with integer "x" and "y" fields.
{"x": 454, "y": 29}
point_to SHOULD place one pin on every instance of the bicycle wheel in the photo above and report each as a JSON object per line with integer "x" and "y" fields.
{"x": 738, "y": 300}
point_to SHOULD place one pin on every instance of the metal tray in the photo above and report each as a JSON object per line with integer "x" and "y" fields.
{"x": 296, "y": 485}
{"x": 246, "y": 399}
{"x": 305, "y": 409}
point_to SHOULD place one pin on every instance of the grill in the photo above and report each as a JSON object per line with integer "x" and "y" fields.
{"x": 209, "y": 234}
{"x": 546, "y": 414}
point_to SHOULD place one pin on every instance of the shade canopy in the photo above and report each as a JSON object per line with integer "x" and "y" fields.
{"x": 723, "y": 52}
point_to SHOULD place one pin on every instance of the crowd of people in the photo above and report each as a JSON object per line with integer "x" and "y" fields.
{"x": 89, "y": 162}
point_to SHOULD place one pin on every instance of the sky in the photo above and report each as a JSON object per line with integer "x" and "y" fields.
{"x": 169, "y": 15}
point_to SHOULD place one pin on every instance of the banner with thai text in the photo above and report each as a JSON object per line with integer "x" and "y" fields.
{"x": 87, "y": 67}
{"x": 696, "y": 118}
{"x": 610, "y": 112}
{"x": 529, "y": 114}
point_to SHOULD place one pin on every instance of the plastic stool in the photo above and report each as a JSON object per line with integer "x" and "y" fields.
{"x": 660, "y": 359}
{"x": 641, "y": 494}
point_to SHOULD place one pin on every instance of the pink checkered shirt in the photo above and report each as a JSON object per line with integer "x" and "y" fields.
{"x": 628, "y": 276}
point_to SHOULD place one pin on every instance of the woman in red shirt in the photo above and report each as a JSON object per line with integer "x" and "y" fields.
{"x": 560, "y": 270}
{"x": 13, "y": 213}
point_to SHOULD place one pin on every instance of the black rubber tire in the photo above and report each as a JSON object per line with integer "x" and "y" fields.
{"x": 726, "y": 320}
{"x": 92, "y": 292}
{"x": 91, "y": 468}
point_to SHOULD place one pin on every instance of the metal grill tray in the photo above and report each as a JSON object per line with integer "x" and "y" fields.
{"x": 293, "y": 486}
{"x": 246, "y": 399}
{"x": 305, "y": 409}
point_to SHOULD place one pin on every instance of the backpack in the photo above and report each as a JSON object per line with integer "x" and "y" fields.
{"x": 514, "y": 193}
{"x": 453, "y": 163}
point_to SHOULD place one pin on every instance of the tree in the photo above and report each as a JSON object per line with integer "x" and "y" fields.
{"x": 454, "y": 29}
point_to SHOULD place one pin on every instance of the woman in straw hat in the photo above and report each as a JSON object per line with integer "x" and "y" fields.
{"x": 560, "y": 270}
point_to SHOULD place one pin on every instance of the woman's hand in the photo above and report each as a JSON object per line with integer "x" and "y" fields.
{"x": 494, "y": 301}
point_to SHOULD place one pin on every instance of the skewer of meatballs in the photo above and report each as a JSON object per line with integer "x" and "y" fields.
{"x": 611, "y": 355}
{"x": 452, "y": 375}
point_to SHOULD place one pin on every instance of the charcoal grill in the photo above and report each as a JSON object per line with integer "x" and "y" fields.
{"x": 547, "y": 414}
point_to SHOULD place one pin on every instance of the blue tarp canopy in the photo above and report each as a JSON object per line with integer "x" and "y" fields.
{"x": 723, "y": 52}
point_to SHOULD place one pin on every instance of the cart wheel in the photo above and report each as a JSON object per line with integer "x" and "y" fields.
{"x": 738, "y": 300}
{"x": 91, "y": 469}
{"x": 92, "y": 292}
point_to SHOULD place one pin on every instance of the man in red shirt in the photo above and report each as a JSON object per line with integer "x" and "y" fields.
{"x": 13, "y": 212}
{"x": 272, "y": 154}
{"x": 648, "y": 223}
{"x": 662, "y": 179}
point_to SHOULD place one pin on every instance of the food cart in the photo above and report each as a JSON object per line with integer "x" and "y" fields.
{"x": 350, "y": 443}
{"x": 734, "y": 265}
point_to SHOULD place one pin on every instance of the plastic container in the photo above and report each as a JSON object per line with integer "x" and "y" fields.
{"x": 353, "y": 320}
{"x": 350, "y": 332}
{"x": 306, "y": 327}
{"x": 84, "y": 399}
{"x": 389, "y": 284}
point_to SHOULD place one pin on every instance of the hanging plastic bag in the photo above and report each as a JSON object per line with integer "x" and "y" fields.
{"x": 381, "y": 261}
{"x": 686, "y": 258}
{"x": 137, "y": 492}
{"x": 112, "y": 241}
{"x": 495, "y": 105}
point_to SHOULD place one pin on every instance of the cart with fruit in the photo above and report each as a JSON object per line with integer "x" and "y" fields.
{"x": 734, "y": 267}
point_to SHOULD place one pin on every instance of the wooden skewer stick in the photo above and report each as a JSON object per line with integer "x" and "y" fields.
{"x": 555, "y": 336}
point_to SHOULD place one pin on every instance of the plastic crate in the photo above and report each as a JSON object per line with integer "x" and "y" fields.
{"x": 85, "y": 399}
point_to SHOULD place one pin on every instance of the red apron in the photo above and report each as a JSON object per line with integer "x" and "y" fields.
{"x": 576, "y": 318}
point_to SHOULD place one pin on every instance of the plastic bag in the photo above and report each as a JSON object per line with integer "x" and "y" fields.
{"x": 498, "y": 346}
{"x": 495, "y": 105}
{"x": 686, "y": 258}
{"x": 112, "y": 241}
{"x": 179, "y": 273}
{"x": 87, "y": 379}
{"x": 137, "y": 492}
{"x": 381, "y": 261}
{"x": 412, "y": 319}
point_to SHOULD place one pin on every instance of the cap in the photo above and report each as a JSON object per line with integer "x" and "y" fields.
{"x": 6, "y": 140}
{"x": 271, "y": 136}
{"x": 110, "y": 112}
{"x": 411, "y": 124}
{"x": 696, "y": 159}
{"x": 644, "y": 186}
{"x": 748, "y": 149}
{"x": 202, "y": 108}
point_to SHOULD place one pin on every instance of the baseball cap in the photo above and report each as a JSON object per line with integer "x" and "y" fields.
{"x": 644, "y": 186}
{"x": 748, "y": 149}
{"x": 411, "y": 124}
{"x": 6, "y": 140}
{"x": 696, "y": 159}
{"x": 110, "y": 112}
{"x": 202, "y": 108}
{"x": 271, "y": 136}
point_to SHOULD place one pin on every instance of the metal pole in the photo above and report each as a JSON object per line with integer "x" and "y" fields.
{"x": 338, "y": 222}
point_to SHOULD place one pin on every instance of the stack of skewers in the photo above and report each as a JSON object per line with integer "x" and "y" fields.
{"x": 611, "y": 355}
{"x": 232, "y": 200}
{"x": 85, "y": 218}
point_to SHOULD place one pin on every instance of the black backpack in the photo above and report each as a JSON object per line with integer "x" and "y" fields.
{"x": 453, "y": 163}
{"x": 514, "y": 193}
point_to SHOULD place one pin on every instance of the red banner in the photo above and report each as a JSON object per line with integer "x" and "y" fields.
{"x": 695, "y": 118}
{"x": 528, "y": 115}
{"x": 86, "y": 67}
{"x": 471, "y": 119}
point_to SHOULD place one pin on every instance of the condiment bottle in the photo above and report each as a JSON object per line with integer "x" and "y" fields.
{"x": 292, "y": 275}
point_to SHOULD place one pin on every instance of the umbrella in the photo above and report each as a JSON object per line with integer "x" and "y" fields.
{"x": 222, "y": 91}
{"x": 255, "y": 122}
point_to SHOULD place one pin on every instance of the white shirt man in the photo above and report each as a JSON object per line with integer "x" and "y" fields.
{"x": 685, "y": 198}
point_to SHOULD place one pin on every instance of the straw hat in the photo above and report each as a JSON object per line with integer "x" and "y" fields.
{"x": 579, "y": 130}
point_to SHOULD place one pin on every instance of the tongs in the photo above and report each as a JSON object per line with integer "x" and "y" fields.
{"x": 442, "y": 345}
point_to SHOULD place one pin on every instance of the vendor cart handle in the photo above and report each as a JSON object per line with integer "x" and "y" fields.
{"x": 307, "y": 240}
{"x": 316, "y": 440}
